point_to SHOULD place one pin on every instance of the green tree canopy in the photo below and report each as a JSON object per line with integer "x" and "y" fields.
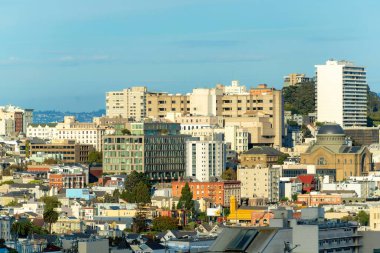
{"x": 95, "y": 157}
{"x": 24, "y": 227}
{"x": 51, "y": 202}
{"x": 363, "y": 218}
{"x": 164, "y": 223}
{"x": 137, "y": 188}
{"x": 229, "y": 174}
{"x": 299, "y": 99}
{"x": 186, "y": 200}
{"x": 282, "y": 158}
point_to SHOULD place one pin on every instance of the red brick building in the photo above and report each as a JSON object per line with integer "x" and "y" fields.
{"x": 67, "y": 180}
{"x": 218, "y": 192}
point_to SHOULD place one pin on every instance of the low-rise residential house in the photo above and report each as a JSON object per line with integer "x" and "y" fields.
{"x": 177, "y": 234}
{"x": 67, "y": 225}
{"x": 209, "y": 230}
{"x": 31, "y": 206}
{"x": 315, "y": 199}
{"x": 5, "y": 227}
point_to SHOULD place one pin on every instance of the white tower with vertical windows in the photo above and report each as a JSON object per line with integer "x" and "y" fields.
{"x": 341, "y": 93}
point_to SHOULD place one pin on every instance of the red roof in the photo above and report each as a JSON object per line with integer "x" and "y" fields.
{"x": 306, "y": 179}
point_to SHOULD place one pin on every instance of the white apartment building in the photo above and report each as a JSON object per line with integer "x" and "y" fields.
{"x": 70, "y": 129}
{"x": 341, "y": 93}
{"x": 259, "y": 181}
{"x": 128, "y": 103}
{"x": 238, "y": 137}
{"x": 82, "y": 133}
{"x": 42, "y": 131}
{"x": 205, "y": 159}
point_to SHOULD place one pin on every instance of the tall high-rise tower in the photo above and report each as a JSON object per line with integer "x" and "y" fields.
{"x": 341, "y": 93}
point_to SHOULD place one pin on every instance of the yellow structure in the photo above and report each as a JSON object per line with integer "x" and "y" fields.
{"x": 332, "y": 156}
{"x": 374, "y": 218}
{"x": 243, "y": 214}
{"x": 66, "y": 225}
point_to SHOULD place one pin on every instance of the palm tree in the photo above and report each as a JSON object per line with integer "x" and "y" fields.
{"x": 22, "y": 227}
{"x": 50, "y": 216}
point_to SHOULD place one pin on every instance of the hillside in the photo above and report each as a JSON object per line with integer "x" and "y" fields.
{"x": 373, "y": 108}
{"x": 299, "y": 99}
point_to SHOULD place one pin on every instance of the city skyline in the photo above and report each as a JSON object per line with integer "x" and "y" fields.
{"x": 66, "y": 55}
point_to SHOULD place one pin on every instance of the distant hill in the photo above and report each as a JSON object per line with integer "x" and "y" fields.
{"x": 56, "y": 116}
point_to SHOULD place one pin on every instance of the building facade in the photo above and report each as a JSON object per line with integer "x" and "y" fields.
{"x": 332, "y": 156}
{"x": 341, "y": 93}
{"x": 219, "y": 193}
{"x": 205, "y": 159}
{"x": 157, "y": 149}
{"x": 69, "y": 150}
{"x": 128, "y": 103}
{"x": 259, "y": 182}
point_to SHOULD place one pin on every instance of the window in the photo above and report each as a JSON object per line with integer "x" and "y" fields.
{"x": 321, "y": 161}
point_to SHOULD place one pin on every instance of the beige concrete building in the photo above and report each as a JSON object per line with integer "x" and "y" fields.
{"x": 259, "y": 182}
{"x": 374, "y": 218}
{"x": 259, "y": 110}
{"x": 128, "y": 103}
{"x": 159, "y": 104}
{"x": 295, "y": 78}
{"x": 205, "y": 102}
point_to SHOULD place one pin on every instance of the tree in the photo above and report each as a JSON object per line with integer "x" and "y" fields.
{"x": 50, "y": 217}
{"x": 299, "y": 99}
{"x": 229, "y": 174}
{"x": 137, "y": 188}
{"x": 164, "y": 223}
{"x": 142, "y": 193}
{"x": 21, "y": 228}
{"x": 295, "y": 196}
{"x": 25, "y": 227}
{"x": 126, "y": 132}
{"x": 186, "y": 200}
{"x": 51, "y": 202}
{"x": 27, "y": 148}
{"x": 282, "y": 158}
{"x": 363, "y": 218}
{"x": 139, "y": 222}
{"x": 95, "y": 157}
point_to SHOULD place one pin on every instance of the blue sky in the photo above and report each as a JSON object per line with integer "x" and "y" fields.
{"x": 65, "y": 55}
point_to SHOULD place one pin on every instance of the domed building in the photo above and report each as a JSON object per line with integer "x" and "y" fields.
{"x": 333, "y": 156}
